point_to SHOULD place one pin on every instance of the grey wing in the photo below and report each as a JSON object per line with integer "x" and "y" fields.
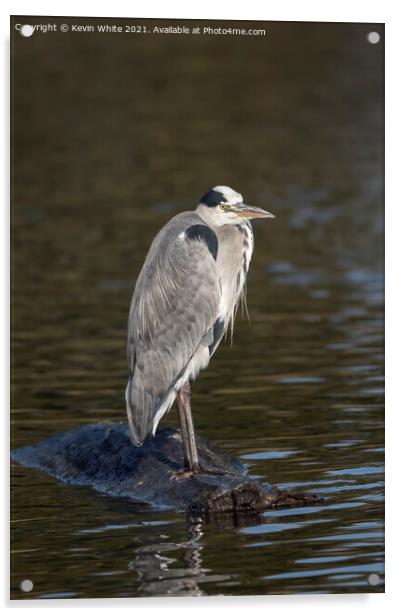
{"x": 173, "y": 316}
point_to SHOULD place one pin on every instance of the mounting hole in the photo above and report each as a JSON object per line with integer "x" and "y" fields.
{"x": 26, "y": 30}
{"x": 373, "y": 38}
{"x": 373, "y": 579}
{"x": 26, "y": 585}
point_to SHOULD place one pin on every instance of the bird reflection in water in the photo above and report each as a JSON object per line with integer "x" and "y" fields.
{"x": 157, "y": 569}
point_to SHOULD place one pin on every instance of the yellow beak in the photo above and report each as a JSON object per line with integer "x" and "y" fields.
{"x": 248, "y": 211}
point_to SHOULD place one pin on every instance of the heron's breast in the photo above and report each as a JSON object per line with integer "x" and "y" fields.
{"x": 235, "y": 247}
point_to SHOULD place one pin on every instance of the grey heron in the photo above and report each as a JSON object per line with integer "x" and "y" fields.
{"x": 184, "y": 301}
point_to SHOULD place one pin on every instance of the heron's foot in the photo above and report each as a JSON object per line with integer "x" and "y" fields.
{"x": 209, "y": 470}
{"x": 181, "y": 475}
{"x": 201, "y": 470}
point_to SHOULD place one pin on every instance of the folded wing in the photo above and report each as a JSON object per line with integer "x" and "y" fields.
{"x": 174, "y": 320}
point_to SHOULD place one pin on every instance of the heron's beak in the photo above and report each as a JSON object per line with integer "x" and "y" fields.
{"x": 248, "y": 211}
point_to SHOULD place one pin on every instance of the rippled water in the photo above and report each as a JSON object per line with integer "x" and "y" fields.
{"x": 111, "y": 142}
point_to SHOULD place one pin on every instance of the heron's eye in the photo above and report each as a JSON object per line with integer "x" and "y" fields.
{"x": 222, "y": 206}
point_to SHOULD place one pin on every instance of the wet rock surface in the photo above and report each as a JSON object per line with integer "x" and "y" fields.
{"x": 102, "y": 456}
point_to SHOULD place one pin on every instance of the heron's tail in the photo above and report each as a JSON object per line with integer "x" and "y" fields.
{"x": 136, "y": 431}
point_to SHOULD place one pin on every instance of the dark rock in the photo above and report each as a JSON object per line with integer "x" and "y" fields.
{"x": 102, "y": 456}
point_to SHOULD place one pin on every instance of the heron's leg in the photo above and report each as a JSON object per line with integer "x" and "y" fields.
{"x": 187, "y": 428}
{"x": 188, "y": 439}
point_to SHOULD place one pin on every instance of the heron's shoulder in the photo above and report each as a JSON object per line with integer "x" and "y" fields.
{"x": 178, "y": 234}
{"x": 183, "y": 221}
{"x": 181, "y": 226}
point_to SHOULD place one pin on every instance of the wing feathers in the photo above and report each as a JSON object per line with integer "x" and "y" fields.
{"x": 174, "y": 306}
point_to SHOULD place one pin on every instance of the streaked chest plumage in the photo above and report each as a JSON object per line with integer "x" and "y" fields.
{"x": 235, "y": 247}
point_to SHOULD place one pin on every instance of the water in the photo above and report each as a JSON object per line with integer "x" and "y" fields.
{"x": 112, "y": 141}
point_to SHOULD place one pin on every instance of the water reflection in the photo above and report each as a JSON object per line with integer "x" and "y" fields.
{"x": 177, "y": 567}
{"x": 159, "y": 574}
{"x": 152, "y": 567}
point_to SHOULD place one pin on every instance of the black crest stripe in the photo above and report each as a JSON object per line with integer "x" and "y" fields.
{"x": 213, "y": 198}
{"x": 206, "y": 234}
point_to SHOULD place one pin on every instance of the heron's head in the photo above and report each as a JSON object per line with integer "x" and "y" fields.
{"x": 223, "y": 206}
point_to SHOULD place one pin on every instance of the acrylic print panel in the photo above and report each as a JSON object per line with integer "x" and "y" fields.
{"x": 118, "y": 125}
